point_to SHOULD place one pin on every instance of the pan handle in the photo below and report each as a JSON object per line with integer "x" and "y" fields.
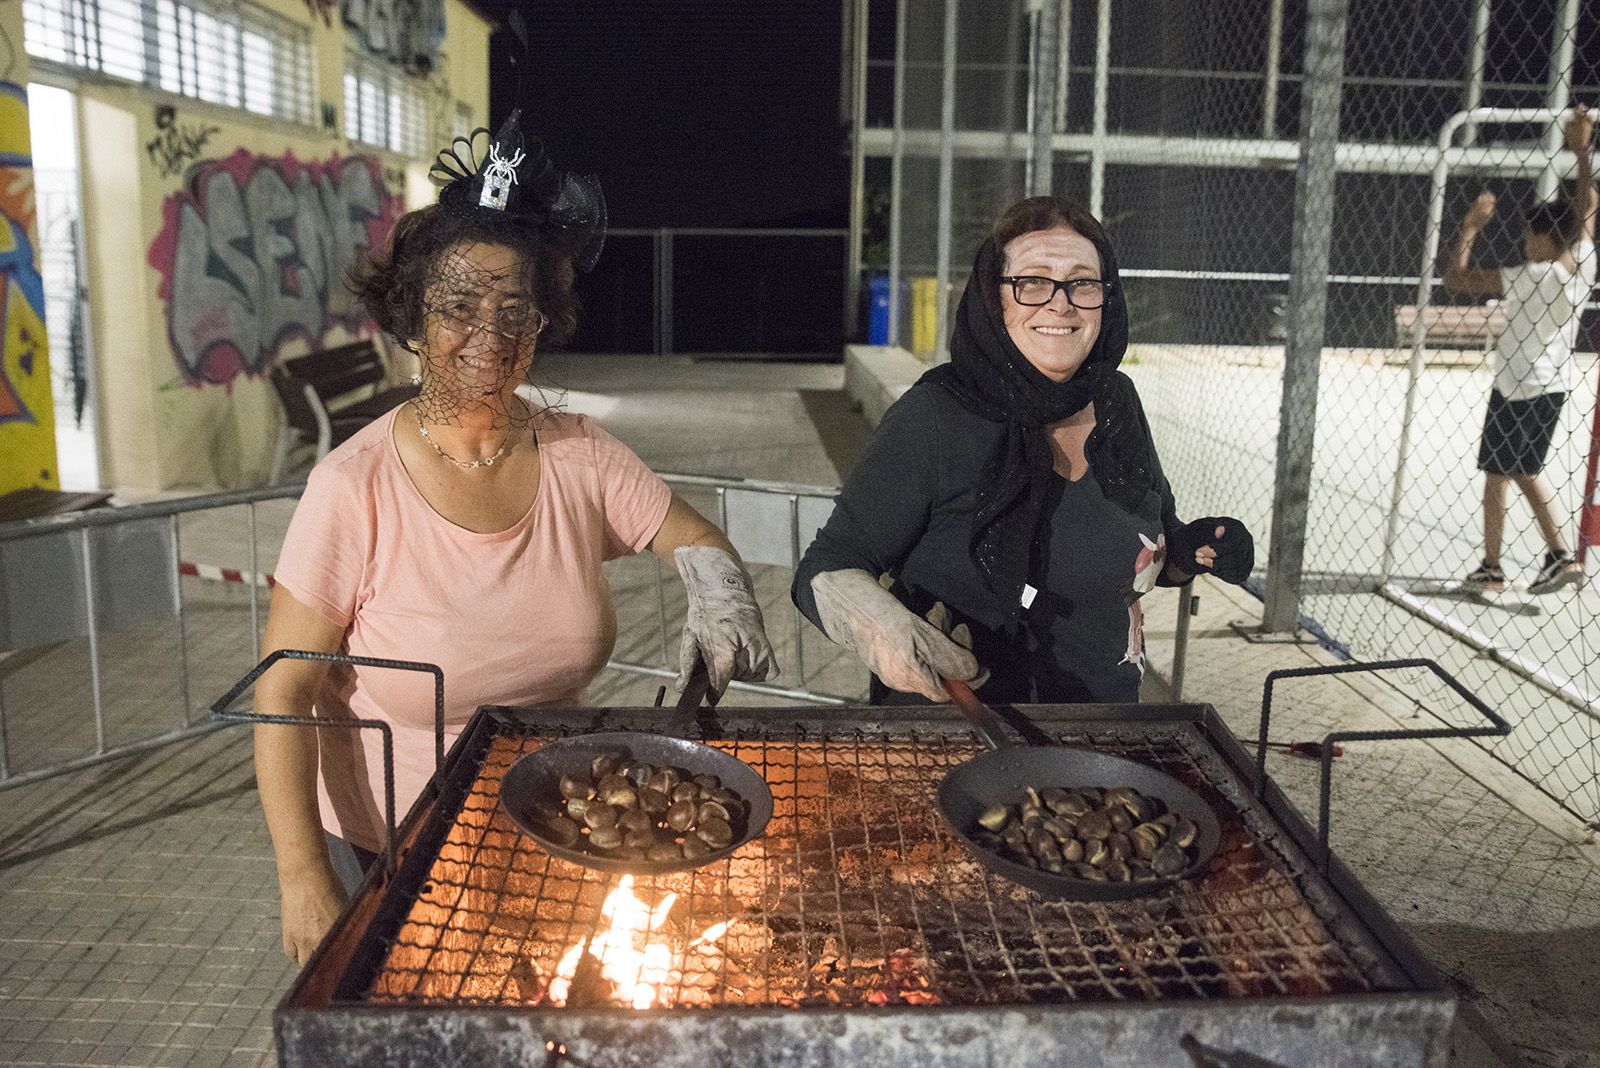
{"x": 979, "y": 715}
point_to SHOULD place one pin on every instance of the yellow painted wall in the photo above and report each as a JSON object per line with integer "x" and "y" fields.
{"x": 27, "y": 414}
{"x": 466, "y": 61}
{"x": 182, "y": 397}
{"x": 120, "y": 341}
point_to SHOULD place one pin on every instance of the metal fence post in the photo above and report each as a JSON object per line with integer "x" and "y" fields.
{"x": 92, "y": 626}
{"x": 666, "y": 292}
{"x": 658, "y": 272}
{"x": 183, "y": 621}
{"x": 1102, "y": 100}
{"x": 794, "y": 557}
{"x": 897, "y": 169}
{"x": 1180, "y": 641}
{"x": 1477, "y": 58}
{"x": 947, "y": 170}
{"x": 1269, "y": 87}
{"x": 1043, "y": 77}
{"x": 1308, "y": 310}
{"x": 1563, "y": 47}
{"x": 255, "y": 576}
{"x": 858, "y": 166}
{"x": 1063, "y": 62}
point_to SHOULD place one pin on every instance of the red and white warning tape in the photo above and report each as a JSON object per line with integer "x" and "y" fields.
{"x": 223, "y": 574}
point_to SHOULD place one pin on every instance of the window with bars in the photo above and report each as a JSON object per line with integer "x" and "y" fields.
{"x": 383, "y": 106}
{"x": 224, "y": 52}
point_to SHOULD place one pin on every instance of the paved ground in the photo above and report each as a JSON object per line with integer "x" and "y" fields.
{"x": 137, "y": 900}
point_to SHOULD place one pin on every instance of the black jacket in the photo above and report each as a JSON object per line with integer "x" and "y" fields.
{"x": 907, "y": 510}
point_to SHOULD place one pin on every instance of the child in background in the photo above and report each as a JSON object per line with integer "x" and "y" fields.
{"x": 1544, "y": 299}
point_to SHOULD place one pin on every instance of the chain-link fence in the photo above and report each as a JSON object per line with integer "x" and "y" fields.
{"x": 1271, "y": 253}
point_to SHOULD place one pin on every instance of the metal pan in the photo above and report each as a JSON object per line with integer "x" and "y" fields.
{"x": 1002, "y": 775}
{"x": 531, "y": 786}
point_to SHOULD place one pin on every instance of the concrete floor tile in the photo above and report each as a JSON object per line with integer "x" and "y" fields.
{"x": 157, "y": 1033}
{"x": 208, "y": 1058}
{"x": 19, "y": 1032}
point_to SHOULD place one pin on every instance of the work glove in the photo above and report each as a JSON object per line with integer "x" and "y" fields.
{"x": 1220, "y": 544}
{"x": 907, "y": 652}
{"x": 723, "y": 626}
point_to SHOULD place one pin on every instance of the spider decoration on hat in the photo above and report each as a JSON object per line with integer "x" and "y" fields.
{"x": 476, "y": 283}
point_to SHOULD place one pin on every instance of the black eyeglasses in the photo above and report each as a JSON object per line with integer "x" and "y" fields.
{"x": 1086, "y": 294}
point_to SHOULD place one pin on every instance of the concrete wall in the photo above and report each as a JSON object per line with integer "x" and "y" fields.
{"x": 216, "y": 245}
{"x": 27, "y": 417}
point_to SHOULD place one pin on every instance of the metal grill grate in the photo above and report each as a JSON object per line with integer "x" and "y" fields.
{"x": 858, "y": 896}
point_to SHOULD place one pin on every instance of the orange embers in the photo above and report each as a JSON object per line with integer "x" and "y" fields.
{"x": 628, "y": 952}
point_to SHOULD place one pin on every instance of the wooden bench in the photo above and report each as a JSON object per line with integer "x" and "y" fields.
{"x": 329, "y": 395}
{"x": 1473, "y": 327}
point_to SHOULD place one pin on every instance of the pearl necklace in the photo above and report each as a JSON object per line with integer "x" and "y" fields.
{"x": 487, "y": 461}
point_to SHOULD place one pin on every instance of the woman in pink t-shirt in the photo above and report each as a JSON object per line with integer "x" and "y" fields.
{"x": 464, "y": 529}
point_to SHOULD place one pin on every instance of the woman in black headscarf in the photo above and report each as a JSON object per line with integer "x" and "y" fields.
{"x": 1013, "y": 497}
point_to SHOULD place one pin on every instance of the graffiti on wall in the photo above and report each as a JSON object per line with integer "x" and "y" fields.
{"x": 323, "y": 8}
{"x": 253, "y": 253}
{"x": 407, "y": 32}
{"x": 21, "y": 285}
{"x": 175, "y": 145}
{"x": 27, "y": 418}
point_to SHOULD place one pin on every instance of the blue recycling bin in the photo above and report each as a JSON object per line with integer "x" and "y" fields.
{"x": 878, "y": 307}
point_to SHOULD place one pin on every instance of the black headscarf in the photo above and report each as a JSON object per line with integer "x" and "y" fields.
{"x": 990, "y": 376}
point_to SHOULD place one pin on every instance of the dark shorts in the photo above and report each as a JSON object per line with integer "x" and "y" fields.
{"x": 1516, "y": 434}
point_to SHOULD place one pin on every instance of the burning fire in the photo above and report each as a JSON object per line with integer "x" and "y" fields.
{"x": 637, "y": 964}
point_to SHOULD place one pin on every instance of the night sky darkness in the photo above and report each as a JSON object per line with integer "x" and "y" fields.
{"x": 726, "y": 112}
{"x": 693, "y": 113}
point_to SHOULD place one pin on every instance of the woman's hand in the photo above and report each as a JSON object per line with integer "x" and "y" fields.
{"x": 1219, "y": 544}
{"x": 309, "y": 901}
{"x": 723, "y": 626}
{"x": 907, "y": 652}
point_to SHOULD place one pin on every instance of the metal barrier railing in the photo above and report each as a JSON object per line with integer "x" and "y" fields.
{"x": 52, "y": 546}
{"x": 770, "y": 523}
{"x": 45, "y": 547}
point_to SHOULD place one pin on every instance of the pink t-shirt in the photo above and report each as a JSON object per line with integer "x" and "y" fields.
{"x": 521, "y": 616}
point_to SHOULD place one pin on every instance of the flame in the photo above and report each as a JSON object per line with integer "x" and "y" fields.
{"x": 637, "y": 966}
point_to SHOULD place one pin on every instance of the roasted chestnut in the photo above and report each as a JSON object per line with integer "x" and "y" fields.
{"x": 1118, "y": 833}
{"x": 642, "y": 812}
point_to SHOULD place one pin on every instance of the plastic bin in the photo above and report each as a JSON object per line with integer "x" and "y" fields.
{"x": 924, "y": 315}
{"x": 878, "y": 307}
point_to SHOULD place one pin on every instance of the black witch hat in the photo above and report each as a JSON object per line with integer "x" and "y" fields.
{"x": 515, "y": 176}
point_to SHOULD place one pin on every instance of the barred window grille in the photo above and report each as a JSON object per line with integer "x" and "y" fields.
{"x": 461, "y": 120}
{"x": 224, "y": 52}
{"x": 383, "y": 106}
